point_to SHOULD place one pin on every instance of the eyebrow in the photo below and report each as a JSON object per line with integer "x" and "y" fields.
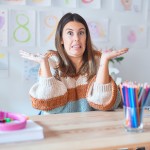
{"x": 72, "y": 29}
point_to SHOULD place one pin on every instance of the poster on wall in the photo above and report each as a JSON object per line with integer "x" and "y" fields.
{"x": 38, "y": 2}
{"x": 48, "y": 21}
{"x": 99, "y": 29}
{"x": 133, "y": 36}
{"x": 149, "y": 35}
{"x": 30, "y": 70}
{"x": 64, "y": 3}
{"x": 94, "y": 4}
{"x": 13, "y": 2}
{"x": 128, "y": 5}
{"x": 22, "y": 30}
{"x": 3, "y": 63}
{"x": 148, "y": 12}
{"x": 3, "y": 28}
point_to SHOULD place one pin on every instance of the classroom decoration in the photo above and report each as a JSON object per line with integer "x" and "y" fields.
{"x": 3, "y": 28}
{"x": 38, "y": 2}
{"x": 64, "y": 3}
{"x": 48, "y": 21}
{"x": 99, "y": 29}
{"x": 133, "y": 36}
{"x": 13, "y": 2}
{"x": 94, "y": 4}
{"x": 134, "y": 97}
{"x": 30, "y": 70}
{"x": 148, "y": 12}
{"x": 128, "y": 5}
{"x": 22, "y": 28}
{"x": 3, "y": 63}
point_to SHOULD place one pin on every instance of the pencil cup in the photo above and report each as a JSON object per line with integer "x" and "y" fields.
{"x": 133, "y": 119}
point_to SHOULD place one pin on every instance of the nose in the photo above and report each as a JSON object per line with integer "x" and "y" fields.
{"x": 76, "y": 37}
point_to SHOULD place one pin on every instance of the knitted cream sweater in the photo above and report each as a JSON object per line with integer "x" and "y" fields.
{"x": 73, "y": 95}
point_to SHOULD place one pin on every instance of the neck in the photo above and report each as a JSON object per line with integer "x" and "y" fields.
{"x": 77, "y": 63}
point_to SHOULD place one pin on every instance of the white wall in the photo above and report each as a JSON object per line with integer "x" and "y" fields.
{"x": 14, "y": 91}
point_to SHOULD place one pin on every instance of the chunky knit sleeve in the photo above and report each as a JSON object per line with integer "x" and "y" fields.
{"x": 44, "y": 96}
{"x": 49, "y": 93}
{"x": 103, "y": 96}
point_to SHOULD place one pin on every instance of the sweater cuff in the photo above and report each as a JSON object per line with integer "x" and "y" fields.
{"x": 100, "y": 93}
{"x": 109, "y": 98}
{"x": 101, "y": 88}
{"x": 47, "y": 81}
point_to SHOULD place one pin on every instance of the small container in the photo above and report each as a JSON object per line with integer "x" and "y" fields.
{"x": 133, "y": 121}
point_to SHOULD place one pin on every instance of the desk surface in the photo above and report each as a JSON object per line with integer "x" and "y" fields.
{"x": 90, "y": 130}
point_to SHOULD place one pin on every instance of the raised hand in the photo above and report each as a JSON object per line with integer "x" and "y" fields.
{"x": 39, "y": 58}
{"x": 110, "y": 54}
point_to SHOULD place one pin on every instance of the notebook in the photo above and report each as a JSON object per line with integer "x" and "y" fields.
{"x": 33, "y": 131}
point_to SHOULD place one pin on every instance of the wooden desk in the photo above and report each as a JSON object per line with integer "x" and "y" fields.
{"x": 91, "y": 130}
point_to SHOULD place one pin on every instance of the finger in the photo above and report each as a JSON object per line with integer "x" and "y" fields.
{"x": 26, "y": 55}
{"x": 23, "y": 52}
{"x": 31, "y": 58}
{"x": 122, "y": 51}
{"x": 107, "y": 50}
{"x": 40, "y": 55}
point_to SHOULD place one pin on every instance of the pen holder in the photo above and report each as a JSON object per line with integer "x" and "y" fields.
{"x": 133, "y": 119}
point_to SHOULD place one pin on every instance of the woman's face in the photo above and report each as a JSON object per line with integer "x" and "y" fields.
{"x": 74, "y": 39}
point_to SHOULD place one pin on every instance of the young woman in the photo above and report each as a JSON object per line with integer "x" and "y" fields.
{"x": 75, "y": 78}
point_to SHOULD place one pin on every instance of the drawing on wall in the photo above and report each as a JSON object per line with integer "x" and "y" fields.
{"x": 64, "y": 3}
{"x": 133, "y": 36}
{"x": 3, "y": 63}
{"x": 98, "y": 30}
{"x": 128, "y": 5}
{"x": 148, "y": 12}
{"x": 22, "y": 28}
{"x": 13, "y": 2}
{"x": 48, "y": 23}
{"x": 30, "y": 72}
{"x": 95, "y": 4}
{"x": 3, "y": 28}
{"x": 38, "y": 2}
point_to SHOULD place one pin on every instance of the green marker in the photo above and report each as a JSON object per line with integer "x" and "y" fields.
{"x": 7, "y": 120}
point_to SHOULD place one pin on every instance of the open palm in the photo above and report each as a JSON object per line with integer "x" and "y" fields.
{"x": 34, "y": 57}
{"x": 110, "y": 54}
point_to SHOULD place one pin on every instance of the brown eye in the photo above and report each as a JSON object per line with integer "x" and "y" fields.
{"x": 81, "y": 33}
{"x": 70, "y": 33}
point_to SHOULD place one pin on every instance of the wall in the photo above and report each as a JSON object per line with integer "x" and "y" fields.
{"x": 14, "y": 90}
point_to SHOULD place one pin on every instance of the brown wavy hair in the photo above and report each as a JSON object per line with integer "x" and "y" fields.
{"x": 66, "y": 66}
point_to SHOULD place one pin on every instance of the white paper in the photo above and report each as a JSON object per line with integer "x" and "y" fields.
{"x": 32, "y": 131}
{"x": 133, "y": 36}
{"x": 38, "y": 2}
{"x": 3, "y": 64}
{"x": 22, "y": 30}
{"x": 64, "y": 3}
{"x": 12, "y": 2}
{"x": 95, "y": 4}
{"x": 99, "y": 29}
{"x": 48, "y": 21}
{"x": 30, "y": 70}
{"x": 3, "y": 28}
{"x": 128, "y": 5}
